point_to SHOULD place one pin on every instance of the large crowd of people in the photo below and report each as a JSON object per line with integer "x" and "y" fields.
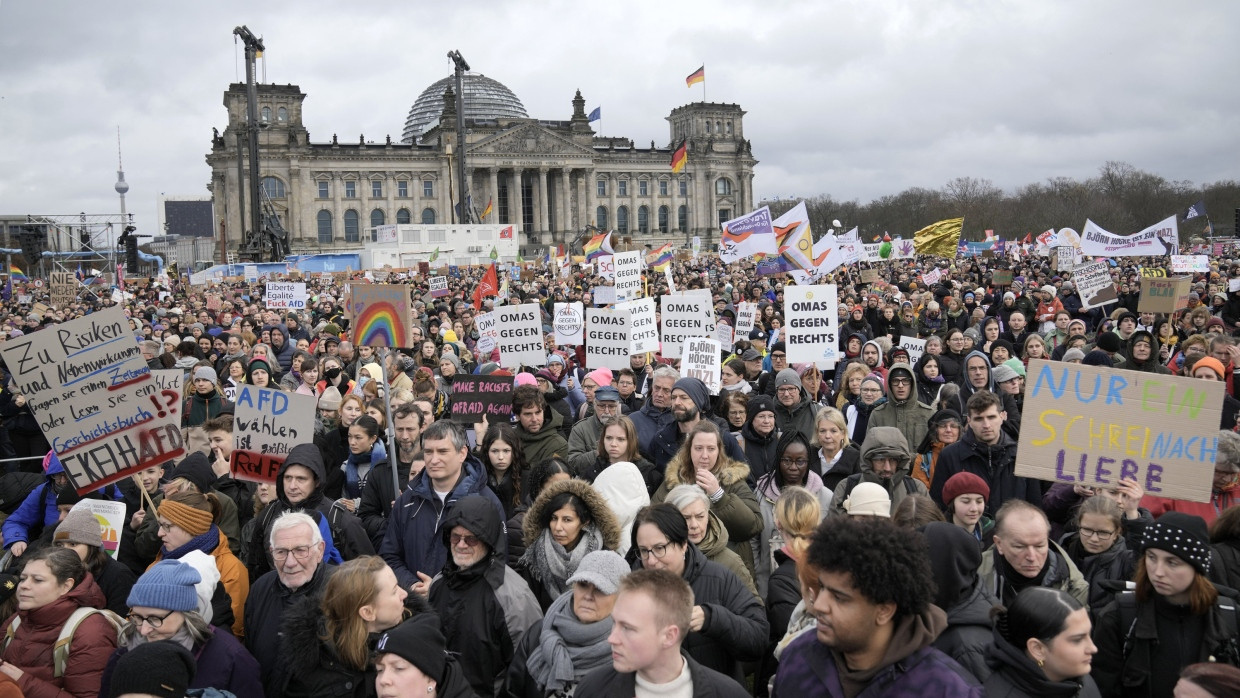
{"x": 844, "y": 530}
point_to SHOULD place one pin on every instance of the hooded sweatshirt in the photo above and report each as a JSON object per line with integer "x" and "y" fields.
{"x": 308, "y": 456}
{"x": 954, "y": 559}
{"x": 909, "y": 415}
{"x": 884, "y": 442}
{"x": 1012, "y": 425}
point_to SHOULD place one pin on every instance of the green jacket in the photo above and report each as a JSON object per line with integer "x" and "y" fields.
{"x": 1063, "y": 575}
{"x": 909, "y": 416}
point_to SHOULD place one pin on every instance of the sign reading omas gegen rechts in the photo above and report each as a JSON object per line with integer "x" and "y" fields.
{"x": 811, "y": 330}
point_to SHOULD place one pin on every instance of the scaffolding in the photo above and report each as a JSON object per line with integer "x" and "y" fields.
{"x": 79, "y": 240}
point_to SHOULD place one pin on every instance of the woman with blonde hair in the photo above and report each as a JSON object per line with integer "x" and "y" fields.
{"x": 797, "y": 515}
{"x": 836, "y": 457}
{"x": 850, "y": 384}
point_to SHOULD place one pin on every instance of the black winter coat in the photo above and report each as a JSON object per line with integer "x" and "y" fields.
{"x": 377, "y": 498}
{"x": 606, "y": 682}
{"x": 759, "y": 452}
{"x": 969, "y": 632}
{"x": 994, "y": 464}
{"x": 848, "y": 464}
{"x": 1015, "y": 675}
{"x": 265, "y": 607}
{"x": 1228, "y": 553}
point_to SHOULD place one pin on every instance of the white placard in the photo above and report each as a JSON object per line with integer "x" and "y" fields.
{"x": 671, "y": 283}
{"x": 604, "y": 295}
{"x": 1190, "y": 263}
{"x": 250, "y": 272}
{"x": 520, "y": 336}
{"x": 725, "y": 337}
{"x": 684, "y": 316}
{"x": 569, "y": 324}
{"x": 111, "y": 518}
{"x": 1064, "y": 256}
{"x": 267, "y": 424}
{"x": 746, "y": 313}
{"x": 1233, "y": 285}
{"x": 439, "y": 286}
{"x": 607, "y": 338}
{"x": 1094, "y": 285}
{"x": 931, "y": 278}
{"x": 385, "y": 233}
{"x": 811, "y": 332}
{"x": 915, "y": 348}
{"x": 700, "y": 359}
{"x": 286, "y": 294}
{"x": 628, "y": 275}
{"x": 607, "y": 267}
{"x": 643, "y": 330}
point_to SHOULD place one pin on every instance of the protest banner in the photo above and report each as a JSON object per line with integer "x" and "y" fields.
{"x": 811, "y": 332}
{"x": 170, "y": 379}
{"x": 63, "y": 288}
{"x": 381, "y": 315}
{"x": 750, "y": 234}
{"x": 1154, "y": 272}
{"x": 700, "y": 360}
{"x": 745, "y": 315}
{"x": 1190, "y": 264}
{"x": 569, "y": 324}
{"x": 487, "y": 332}
{"x": 1096, "y": 426}
{"x": 1155, "y": 241}
{"x": 478, "y": 396}
{"x": 112, "y": 521}
{"x": 214, "y": 302}
{"x": 267, "y": 424}
{"x": 439, "y": 286}
{"x": 1163, "y": 295}
{"x": 683, "y": 316}
{"x": 604, "y": 295}
{"x": 932, "y": 277}
{"x": 643, "y": 330}
{"x": 725, "y": 336}
{"x": 385, "y": 233}
{"x": 915, "y": 347}
{"x": 628, "y": 275}
{"x": 1094, "y": 285}
{"x": 94, "y": 398}
{"x": 607, "y": 267}
{"x": 871, "y": 276}
{"x": 286, "y": 294}
{"x": 1064, "y": 257}
{"x": 607, "y": 338}
{"x": 520, "y": 336}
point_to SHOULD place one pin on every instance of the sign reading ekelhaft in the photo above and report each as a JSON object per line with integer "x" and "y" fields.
{"x": 1159, "y": 239}
{"x": 95, "y": 399}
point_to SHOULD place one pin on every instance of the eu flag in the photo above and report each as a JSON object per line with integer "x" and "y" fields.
{"x": 596, "y": 114}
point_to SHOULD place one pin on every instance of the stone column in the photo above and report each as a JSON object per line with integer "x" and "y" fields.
{"x": 590, "y": 195}
{"x": 515, "y": 188}
{"x": 337, "y": 188}
{"x": 363, "y": 213}
{"x": 389, "y": 194}
{"x": 613, "y": 220}
{"x": 565, "y": 222}
{"x": 673, "y": 213}
{"x": 493, "y": 192}
{"x": 543, "y": 221}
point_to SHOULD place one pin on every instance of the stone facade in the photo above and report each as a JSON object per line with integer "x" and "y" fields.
{"x": 551, "y": 178}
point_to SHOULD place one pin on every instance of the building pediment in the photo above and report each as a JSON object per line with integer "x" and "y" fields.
{"x": 528, "y": 139}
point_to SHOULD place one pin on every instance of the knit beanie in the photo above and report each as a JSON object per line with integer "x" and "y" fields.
{"x": 601, "y": 376}
{"x": 452, "y": 359}
{"x": 525, "y": 378}
{"x": 964, "y": 483}
{"x": 1074, "y": 354}
{"x": 1016, "y": 365}
{"x": 330, "y": 400}
{"x": 1211, "y": 363}
{"x": 80, "y": 526}
{"x": 205, "y": 373}
{"x": 873, "y": 378}
{"x": 758, "y": 404}
{"x": 868, "y": 499}
{"x": 1097, "y": 357}
{"x": 419, "y": 642}
{"x": 193, "y": 521}
{"x": 197, "y": 469}
{"x": 168, "y": 585}
{"x": 1003, "y": 373}
{"x": 787, "y": 377}
{"x": 163, "y": 669}
{"x": 258, "y": 363}
{"x": 1108, "y": 342}
{"x": 1182, "y": 535}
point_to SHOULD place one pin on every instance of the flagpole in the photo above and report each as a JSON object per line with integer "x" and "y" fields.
{"x": 703, "y": 83}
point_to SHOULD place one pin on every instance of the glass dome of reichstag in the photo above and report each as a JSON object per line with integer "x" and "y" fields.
{"x": 484, "y": 99}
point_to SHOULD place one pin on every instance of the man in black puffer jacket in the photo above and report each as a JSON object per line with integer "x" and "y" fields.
{"x": 954, "y": 559}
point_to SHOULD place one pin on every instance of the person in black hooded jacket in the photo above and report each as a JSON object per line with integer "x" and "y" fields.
{"x": 954, "y": 559}
{"x": 759, "y": 436}
{"x": 1038, "y": 649}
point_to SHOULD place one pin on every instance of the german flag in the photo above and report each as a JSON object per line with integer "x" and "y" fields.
{"x": 680, "y": 157}
{"x": 487, "y": 211}
{"x": 695, "y": 77}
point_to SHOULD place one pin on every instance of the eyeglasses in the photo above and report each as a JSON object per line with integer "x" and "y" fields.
{"x": 165, "y": 526}
{"x": 301, "y": 552}
{"x": 788, "y": 389}
{"x": 871, "y": 390}
{"x": 779, "y": 356}
{"x": 799, "y": 462}
{"x": 657, "y": 551}
{"x": 1091, "y": 533}
{"x": 901, "y": 381}
{"x": 154, "y": 621}
{"x": 468, "y": 540}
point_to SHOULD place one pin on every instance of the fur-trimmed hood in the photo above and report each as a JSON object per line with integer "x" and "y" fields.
{"x": 600, "y": 511}
{"x": 728, "y": 471}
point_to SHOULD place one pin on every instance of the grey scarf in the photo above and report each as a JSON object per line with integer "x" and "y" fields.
{"x": 552, "y": 565}
{"x": 568, "y": 649}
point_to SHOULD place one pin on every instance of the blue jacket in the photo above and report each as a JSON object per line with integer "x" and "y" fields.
{"x": 648, "y": 421}
{"x": 19, "y": 524}
{"x": 414, "y": 540}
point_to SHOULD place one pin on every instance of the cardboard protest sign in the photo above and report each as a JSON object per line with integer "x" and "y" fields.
{"x": 811, "y": 332}
{"x": 487, "y": 333}
{"x": 684, "y": 316}
{"x": 381, "y": 315}
{"x": 725, "y": 337}
{"x": 286, "y": 294}
{"x": 1094, "y": 426}
{"x": 604, "y": 295}
{"x": 214, "y": 302}
{"x": 520, "y": 335}
{"x": 1190, "y": 263}
{"x": 267, "y": 424}
{"x": 250, "y": 272}
{"x": 700, "y": 359}
{"x": 112, "y": 520}
{"x": 628, "y": 275}
{"x": 745, "y": 316}
{"x": 439, "y": 286}
{"x": 63, "y": 288}
{"x": 1094, "y": 285}
{"x": 569, "y": 323}
{"x": 1153, "y": 272}
{"x": 1001, "y": 277}
{"x": 607, "y": 338}
{"x": 643, "y": 331}
{"x": 170, "y": 379}
{"x": 477, "y": 396}
{"x": 94, "y": 398}
{"x": 871, "y": 276}
{"x": 1163, "y": 295}
{"x": 915, "y": 348}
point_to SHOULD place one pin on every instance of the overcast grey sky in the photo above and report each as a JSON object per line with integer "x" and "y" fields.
{"x": 855, "y": 99}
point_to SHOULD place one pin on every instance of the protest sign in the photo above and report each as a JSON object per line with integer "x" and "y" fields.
{"x": 286, "y": 294}
{"x": 1157, "y": 240}
{"x": 812, "y": 330}
{"x": 250, "y": 272}
{"x": 671, "y": 283}
{"x": 700, "y": 360}
{"x": 915, "y": 347}
{"x": 604, "y": 295}
{"x": 381, "y": 315}
{"x": 725, "y": 337}
{"x": 477, "y": 396}
{"x": 1153, "y": 272}
{"x": 871, "y": 276}
{"x": 112, "y": 520}
{"x": 439, "y": 286}
{"x": 214, "y": 302}
{"x": 931, "y": 278}
{"x": 607, "y": 338}
{"x": 520, "y": 335}
{"x": 94, "y": 398}
{"x": 1001, "y": 277}
{"x": 267, "y": 424}
{"x": 1094, "y": 285}
{"x": 1096, "y": 426}
{"x": 385, "y": 233}
{"x": 628, "y": 275}
{"x": 487, "y": 333}
{"x": 569, "y": 324}
{"x": 745, "y": 315}
{"x": 1190, "y": 264}
{"x": 1064, "y": 257}
{"x": 750, "y": 234}
{"x": 63, "y": 288}
{"x": 170, "y": 379}
{"x": 1163, "y": 295}
{"x": 1233, "y": 285}
{"x": 607, "y": 267}
{"x": 684, "y": 316}
{"x": 643, "y": 331}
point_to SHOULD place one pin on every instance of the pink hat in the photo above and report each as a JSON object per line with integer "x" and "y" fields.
{"x": 526, "y": 379}
{"x": 602, "y": 376}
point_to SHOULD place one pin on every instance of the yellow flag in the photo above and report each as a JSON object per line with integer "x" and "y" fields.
{"x": 940, "y": 238}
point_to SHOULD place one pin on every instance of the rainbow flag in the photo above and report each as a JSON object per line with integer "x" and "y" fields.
{"x": 598, "y": 246}
{"x": 660, "y": 258}
{"x": 696, "y": 76}
{"x": 680, "y": 157}
{"x": 15, "y": 273}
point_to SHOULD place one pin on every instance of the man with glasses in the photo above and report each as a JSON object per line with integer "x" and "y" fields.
{"x": 793, "y": 409}
{"x": 886, "y": 461}
{"x": 296, "y": 547}
{"x": 583, "y": 441}
{"x": 484, "y": 606}
{"x": 779, "y": 361}
{"x": 903, "y": 410}
{"x": 657, "y": 412}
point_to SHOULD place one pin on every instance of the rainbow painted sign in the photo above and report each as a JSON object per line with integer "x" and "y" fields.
{"x": 111, "y": 518}
{"x": 382, "y": 315}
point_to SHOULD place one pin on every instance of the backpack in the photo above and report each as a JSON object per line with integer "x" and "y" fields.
{"x": 60, "y": 651}
{"x": 910, "y": 485}
{"x": 1126, "y": 600}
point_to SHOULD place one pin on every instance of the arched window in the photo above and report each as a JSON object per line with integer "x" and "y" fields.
{"x": 723, "y": 186}
{"x": 729, "y": 128}
{"x": 600, "y": 217}
{"x": 352, "y": 232}
{"x": 682, "y": 219}
{"x": 273, "y": 188}
{"x": 282, "y": 114}
{"x": 709, "y": 126}
{"x": 403, "y": 217}
{"x": 325, "y": 227}
{"x": 643, "y": 219}
{"x": 622, "y": 220}
{"x": 266, "y": 114}
{"x": 376, "y": 219}
{"x": 663, "y": 216}
{"x": 428, "y": 216}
